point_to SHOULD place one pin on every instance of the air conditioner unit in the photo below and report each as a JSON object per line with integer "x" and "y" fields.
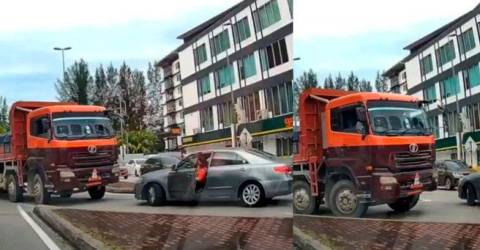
{"x": 197, "y": 131}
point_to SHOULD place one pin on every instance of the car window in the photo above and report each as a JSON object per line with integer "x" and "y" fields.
{"x": 169, "y": 161}
{"x": 130, "y": 162}
{"x": 454, "y": 165}
{"x": 188, "y": 162}
{"x": 152, "y": 161}
{"x": 226, "y": 158}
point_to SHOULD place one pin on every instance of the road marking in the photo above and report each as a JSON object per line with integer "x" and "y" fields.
{"x": 38, "y": 230}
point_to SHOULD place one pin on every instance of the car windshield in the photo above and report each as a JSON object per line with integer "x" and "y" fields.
{"x": 397, "y": 118}
{"x": 82, "y": 127}
{"x": 456, "y": 165}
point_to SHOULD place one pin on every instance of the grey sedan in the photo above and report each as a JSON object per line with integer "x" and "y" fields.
{"x": 251, "y": 176}
{"x": 469, "y": 188}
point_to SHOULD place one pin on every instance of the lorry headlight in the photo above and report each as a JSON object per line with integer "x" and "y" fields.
{"x": 388, "y": 180}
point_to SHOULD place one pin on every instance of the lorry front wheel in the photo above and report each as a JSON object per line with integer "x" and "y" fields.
{"x": 303, "y": 201}
{"x": 404, "y": 204}
{"x": 40, "y": 193}
{"x": 343, "y": 200}
{"x": 96, "y": 193}
{"x": 15, "y": 193}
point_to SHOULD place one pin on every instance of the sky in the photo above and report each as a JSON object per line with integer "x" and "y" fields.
{"x": 367, "y": 36}
{"x": 100, "y": 32}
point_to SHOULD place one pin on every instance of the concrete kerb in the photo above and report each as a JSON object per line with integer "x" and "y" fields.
{"x": 75, "y": 236}
{"x": 302, "y": 241}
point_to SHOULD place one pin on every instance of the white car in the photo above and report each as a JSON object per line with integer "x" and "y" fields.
{"x": 133, "y": 166}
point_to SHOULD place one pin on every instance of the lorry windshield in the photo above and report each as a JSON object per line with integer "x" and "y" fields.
{"x": 82, "y": 127}
{"x": 397, "y": 118}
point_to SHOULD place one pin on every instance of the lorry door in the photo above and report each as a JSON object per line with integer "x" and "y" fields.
{"x": 181, "y": 180}
{"x": 227, "y": 170}
{"x": 347, "y": 142}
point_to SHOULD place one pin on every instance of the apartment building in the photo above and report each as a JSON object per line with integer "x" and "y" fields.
{"x": 172, "y": 101}
{"x": 397, "y": 78}
{"x": 443, "y": 68}
{"x": 246, "y": 50}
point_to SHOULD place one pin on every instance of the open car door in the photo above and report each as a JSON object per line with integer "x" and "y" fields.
{"x": 181, "y": 180}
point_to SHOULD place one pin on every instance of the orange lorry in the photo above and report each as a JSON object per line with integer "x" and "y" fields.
{"x": 361, "y": 149}
{"x": 57, "y": 149}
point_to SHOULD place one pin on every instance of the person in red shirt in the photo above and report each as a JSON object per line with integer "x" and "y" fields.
{"x": 201, "y": 171}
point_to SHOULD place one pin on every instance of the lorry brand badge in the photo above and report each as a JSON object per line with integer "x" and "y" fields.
{"x": 413, "y": 148}
{"x": 92, "y": 149}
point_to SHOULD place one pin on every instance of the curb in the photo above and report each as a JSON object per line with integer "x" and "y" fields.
{"x": 302, "y": 240}
{"x": 120, "y": 190}
{"x": 75, "y": 236}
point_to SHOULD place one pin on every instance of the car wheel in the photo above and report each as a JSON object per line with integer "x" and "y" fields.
{"x": 303, "y": 201}
{"x": 470, "y": 194}
{"x": 404, "y": 204}
{"x": 96, "y": 193}
{"x": 40, "y": 193}
{"x": 252, "y": 195}
{"x": 15, "y": 193}
{"x": 343, "y": 200}
{"x": 155, "y": 195}
{"x": 448, "y": 183}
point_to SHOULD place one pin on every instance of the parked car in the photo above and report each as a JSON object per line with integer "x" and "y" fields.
{"x": 158, "y": 162}
{"x": 250, "y": 176}
{"x": 133, "y": 166}
{"x": 469, "y": 188}
{"x": 450, "y": 172}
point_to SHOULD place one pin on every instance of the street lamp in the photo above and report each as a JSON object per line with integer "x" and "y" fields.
{"x": 458, "y": 120}
{"x": 63, "y": 58}
{"x": 232, "y": 123}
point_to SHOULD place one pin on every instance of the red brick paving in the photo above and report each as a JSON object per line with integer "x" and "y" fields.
{"x": 156, "y": 231}
{"x": 377, "y": 234}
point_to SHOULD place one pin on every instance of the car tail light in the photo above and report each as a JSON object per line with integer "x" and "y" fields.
{"x": 284, "y": 169}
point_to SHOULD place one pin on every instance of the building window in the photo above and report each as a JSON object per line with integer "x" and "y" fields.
{"x": 446, "y": 53}
{"x": 220, "y": 42}
{"x": 257, "y": 145}
{"x": 426, "y": 64}
{"x": 204, "y": 85}
{"x": 467, "y": 41}
{"x": 267, "y": 15}
{"x": 284, "y": 146}
{"x": 177, "y": 65}
{"x": 178, "y": 77}
{"x": 471, "y": 76}
{"x": 200, "y": 54}
{"x": 225, "y": 111}
{"x": 274, "y": 54}
{"x": 206, "y": 118}
{"x": 251, "y": 106}
{"x": 279, "y": 99}
{"x": 476, "y": 116}
{"x": 430, "y": 93}
{"x": 290, "y": 7}
{"x": 225, "y": 76}
{"x": 241, "y": 30}
{"x": 450, "y": 87}
{"x": 247, "y": 67}
{"x": 433, "y": 122}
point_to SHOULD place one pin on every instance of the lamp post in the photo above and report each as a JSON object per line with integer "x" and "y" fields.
{"x": 458, "y": 120}
{"x": 63, "y": 57}
{"x": 232, "y": 123}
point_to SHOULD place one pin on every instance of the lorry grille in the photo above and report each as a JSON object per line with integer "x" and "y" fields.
{"x": 85, "y": 159}
{"x": 411, "y": 161}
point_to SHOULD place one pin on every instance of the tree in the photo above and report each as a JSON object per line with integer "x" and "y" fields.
{"x": 132, "y": 92}
{"x": 143, "y": 142}
{"x": 352, "y": 82}
{"x": 365, "y": 86}
{"x": 339, "y": 82}
{"x": 329, "y": 83}
{"x": 305, "y": 81}
{"x": 3, "y": 115}
{"x": 75, "y": 87}
{"x": 153, "y": 117}
{"x": 381, "y": 83}
{"x": 100, "y": 94}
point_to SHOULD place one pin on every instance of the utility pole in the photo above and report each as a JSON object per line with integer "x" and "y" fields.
{"x": 232, "y": 123}
{"x": 63, "y": 58}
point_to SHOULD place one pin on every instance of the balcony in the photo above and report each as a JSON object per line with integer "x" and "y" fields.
{"x": 394, "y": 81}
{"x": 169, "y": 97}
{"x": 167, "y": 72}
{"x": 168, "y": 84}
{"x": 171, "y": 108}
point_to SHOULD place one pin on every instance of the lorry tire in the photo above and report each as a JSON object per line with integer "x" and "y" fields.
{"x": 15, "y": 193}
{"x": 303, "y": 201}
{"x": 404, "y": 204}
{"x": 155, "y": 195}
{"x": 470, "y": 194}
{"x": 96, "y": 193}
{"x": 39, "y": 192}
{"x": 343, "y": 200}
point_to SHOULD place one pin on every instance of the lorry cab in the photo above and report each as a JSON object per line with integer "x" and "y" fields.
{"x": 60, "y": 148}
{"x": 362, "y": 149}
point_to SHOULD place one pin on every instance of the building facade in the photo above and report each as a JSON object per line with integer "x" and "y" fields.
{"x": 172, "y": 101}
{"x": 396, "y": 78}
{"x": 246, "y": 50}
{"x": 443, "y": 69}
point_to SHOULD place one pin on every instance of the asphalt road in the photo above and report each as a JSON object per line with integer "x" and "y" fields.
{"x": 437, "y": 206}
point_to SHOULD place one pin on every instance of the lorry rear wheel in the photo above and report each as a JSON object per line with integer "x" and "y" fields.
{"x": 15, "y": 193}
{"x": 303, "y": 201}
{"x": 40, "y": 193}
{"x": 96, "y": 193}
{"x": 343, "y": 200}
{"x": 405, "y": 204}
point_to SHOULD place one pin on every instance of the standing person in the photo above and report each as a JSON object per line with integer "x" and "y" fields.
{"x": 201, "y": 172}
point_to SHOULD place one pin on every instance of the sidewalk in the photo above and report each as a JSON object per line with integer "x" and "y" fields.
{"x": 338, "y": 233}
{"x": 112, "y": 230}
